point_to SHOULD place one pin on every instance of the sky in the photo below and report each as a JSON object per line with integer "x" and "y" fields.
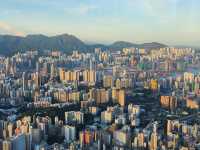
{"x": 173, "y": 22}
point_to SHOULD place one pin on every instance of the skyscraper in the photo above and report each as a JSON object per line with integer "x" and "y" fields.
{"x": 154, "y": 138}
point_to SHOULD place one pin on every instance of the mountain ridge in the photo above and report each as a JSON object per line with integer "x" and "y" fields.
{"x": 10, "y": 44}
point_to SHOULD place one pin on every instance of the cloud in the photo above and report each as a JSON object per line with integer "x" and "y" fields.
{"x": 84, "y": 9}
{"x": 81, "y": 9}
{"x": 156, "y": 8}
{"x": 8, "y": 29}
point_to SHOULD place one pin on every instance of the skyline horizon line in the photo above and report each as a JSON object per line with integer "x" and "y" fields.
{"x": 106, "y": 42}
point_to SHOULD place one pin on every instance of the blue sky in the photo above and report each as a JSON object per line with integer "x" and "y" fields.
{"x": 169, "y": 21}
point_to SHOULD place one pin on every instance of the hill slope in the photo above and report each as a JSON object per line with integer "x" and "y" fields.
{"x": 11, "y": 44}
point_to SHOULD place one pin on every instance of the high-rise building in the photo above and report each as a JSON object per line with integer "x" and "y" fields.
{"x": 107, "y": 81}
{"x": 7, "y": 145}
{"x": 74, "y": 116}
{"x": 37, "y": 67}
{"x": 10, "y": 130}
{"x": 168, "y": 102}
{"x": 118, "y": 84}
{"x": 121, "y": 98}
{"x": 141, "y": 141}
{"x": 69, "y": 133}
{"x": 154, "y": 84}
{"x": 107, "y": 116}
{"x": 37, "y": 80}
{"x": 23, "y": 81}
{"x": 62, "y": 74}
{"x": 154, "y": 138}
{"x": 53, "y": 71}
{"x": 153, "y": 141}
{"x": 92, "y": 76}
{"x": 100, "y": 96}
{"x": 68, "y": 76}
{"x": 89, "y": 76}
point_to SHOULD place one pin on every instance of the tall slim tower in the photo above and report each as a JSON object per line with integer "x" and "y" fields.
{"x": 154, "y": 138}
{"x": 24, "y": 81}
{"x": 37, "y": 80}
{"x": 52, "y": 71}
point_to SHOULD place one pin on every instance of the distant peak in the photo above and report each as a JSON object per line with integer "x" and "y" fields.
{"x": 65, "y": 34}
{"x": 35, "y": 35}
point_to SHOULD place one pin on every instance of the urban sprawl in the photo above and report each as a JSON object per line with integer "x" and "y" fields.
{"x": 136, "y": 98}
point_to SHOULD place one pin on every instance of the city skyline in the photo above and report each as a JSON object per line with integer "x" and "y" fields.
{"x": 102, "y": 75}
{"x": 172, "y": 22}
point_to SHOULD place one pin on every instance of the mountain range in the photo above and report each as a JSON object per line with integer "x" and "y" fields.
{"x": 10, "y": 44}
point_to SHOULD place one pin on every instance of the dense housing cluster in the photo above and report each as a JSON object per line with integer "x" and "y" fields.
{"x": 135, "y": 98}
